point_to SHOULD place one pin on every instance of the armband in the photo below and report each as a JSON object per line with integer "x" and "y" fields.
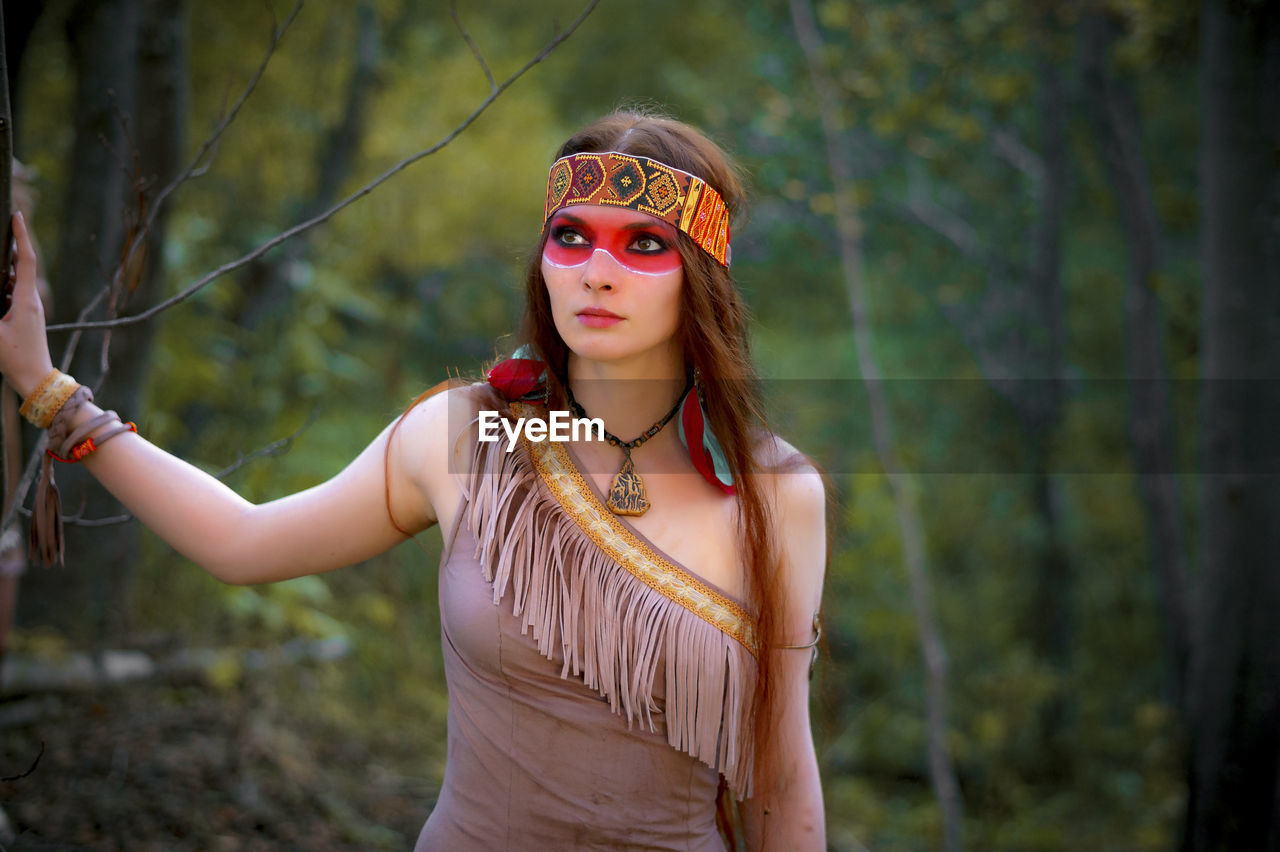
{"x": 812, "y": 644}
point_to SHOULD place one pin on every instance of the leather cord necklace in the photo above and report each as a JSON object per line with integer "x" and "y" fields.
{"x": 627, "y": 494}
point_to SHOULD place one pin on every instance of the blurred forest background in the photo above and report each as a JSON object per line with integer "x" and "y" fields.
{"x": 1014, "y": 272}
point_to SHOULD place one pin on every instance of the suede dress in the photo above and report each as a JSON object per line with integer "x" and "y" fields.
{"x": 598, "y": 690}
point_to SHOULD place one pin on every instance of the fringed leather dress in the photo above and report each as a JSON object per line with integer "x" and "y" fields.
{"x": 597, "y": 689}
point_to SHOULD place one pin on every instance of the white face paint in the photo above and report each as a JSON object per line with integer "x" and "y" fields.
{"x": 637, "y": 242}
{"x": 549, "y": 262}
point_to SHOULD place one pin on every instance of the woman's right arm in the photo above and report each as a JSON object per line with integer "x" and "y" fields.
{"x": 337, "y": 523}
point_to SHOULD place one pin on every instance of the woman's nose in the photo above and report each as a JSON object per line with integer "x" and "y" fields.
{"x": 601, "y": 270}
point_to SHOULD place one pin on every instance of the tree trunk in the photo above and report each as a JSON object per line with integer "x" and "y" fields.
{"x": 911, "y": 526}
{"x": 159, "y": 131}
{"x": 129, "y": 58}
{"x": 1234, "y": 696}
{"x": 12, "y": 562}
{"x": 102, "y": 37}
{"x": 19, "y": 20}
{"x": 1113, "y": 112}
{"x": 1052, "y": 610}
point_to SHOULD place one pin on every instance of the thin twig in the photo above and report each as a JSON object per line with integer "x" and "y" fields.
{"x": 275, "y": 448}
{"x": 30, "y": 769}
{"x": 28, "y": 477}
{"x": 111, "y": 521}
{"x": 69, "y": 353}
{"x": 306, "y": 225}
{"x": 475, "y": 49}
{"x": 77, "y": 521}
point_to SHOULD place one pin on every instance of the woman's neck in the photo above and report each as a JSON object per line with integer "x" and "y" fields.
{"x": 628, "y": 398}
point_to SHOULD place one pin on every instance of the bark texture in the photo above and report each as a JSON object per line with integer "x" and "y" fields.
{"x": 1113, "y": 112}
{"x": 129, "y": 59}
{"x": 1234, "y": 698}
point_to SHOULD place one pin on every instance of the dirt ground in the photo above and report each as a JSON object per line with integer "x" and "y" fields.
{"x": 191, "y": 767}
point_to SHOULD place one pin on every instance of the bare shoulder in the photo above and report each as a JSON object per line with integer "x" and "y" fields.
{"x": 431, "y": 443}
{"x": 798, "y": 496}
{"x": 440, "y": 420}
{"x": 792, "y": 480}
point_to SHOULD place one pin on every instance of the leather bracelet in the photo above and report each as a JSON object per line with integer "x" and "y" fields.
{"x": 61, "y": 424}
{"x": 83, "y": 441}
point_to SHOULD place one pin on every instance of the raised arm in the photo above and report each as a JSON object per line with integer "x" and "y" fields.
{"x": 336, "y": 523}
{"x": 790, "y": 816}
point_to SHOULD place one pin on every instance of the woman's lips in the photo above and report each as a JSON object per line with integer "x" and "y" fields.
{"x": 598, "y": 318}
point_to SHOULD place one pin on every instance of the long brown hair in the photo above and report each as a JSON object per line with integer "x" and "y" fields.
{"x": 713, "y": 333}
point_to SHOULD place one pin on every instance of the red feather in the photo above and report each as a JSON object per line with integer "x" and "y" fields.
{"x": 516, "y": 378}
{"x": 692, "y": 421}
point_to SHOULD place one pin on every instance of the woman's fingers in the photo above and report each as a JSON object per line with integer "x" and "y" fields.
{"x": 26, "y": 259}
{"x": 24, "y": 348}
{"x": 25, "y": 291}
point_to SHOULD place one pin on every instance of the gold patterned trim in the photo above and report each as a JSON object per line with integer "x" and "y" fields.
{"x": 565, "y": 482}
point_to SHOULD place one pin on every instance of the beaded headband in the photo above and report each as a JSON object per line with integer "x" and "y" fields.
{"x": 647, "y": 186}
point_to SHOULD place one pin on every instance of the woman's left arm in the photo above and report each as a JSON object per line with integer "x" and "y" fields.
{"x": 790, "y": 815}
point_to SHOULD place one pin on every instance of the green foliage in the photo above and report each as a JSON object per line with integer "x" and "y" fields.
{"x": 423, "y": 278}
{"x": 926, "y": 91}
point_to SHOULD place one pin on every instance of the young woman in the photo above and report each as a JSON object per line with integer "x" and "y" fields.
{"x": 627, "y": 621}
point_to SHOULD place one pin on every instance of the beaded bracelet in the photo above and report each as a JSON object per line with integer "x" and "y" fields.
{"x": 53, "y": 405}
{"x": 44, "y": 403}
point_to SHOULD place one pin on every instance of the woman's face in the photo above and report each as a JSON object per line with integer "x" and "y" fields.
{"x": 614, "y": 277}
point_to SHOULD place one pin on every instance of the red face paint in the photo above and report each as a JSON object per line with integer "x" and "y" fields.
{"x": 639, "y": 242}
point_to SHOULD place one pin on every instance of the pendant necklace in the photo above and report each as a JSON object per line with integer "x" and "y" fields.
{"x": 626, "y": 495}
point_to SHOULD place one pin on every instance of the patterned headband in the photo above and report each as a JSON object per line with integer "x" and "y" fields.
{"x": 647, "y": 186}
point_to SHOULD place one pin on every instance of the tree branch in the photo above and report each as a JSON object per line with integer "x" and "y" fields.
{"x": 475, "y": 49}
{"x": 30, "y": 769}
{"x": 194, "y": 168}
{"x": 28, "y": 477}
{"x": 77, "y": 521}
{"x": 307, "y": 224}
{"x": 1013, "y": 151}
{"x": 81, "y": 324}
{"x": 954, "y": 229}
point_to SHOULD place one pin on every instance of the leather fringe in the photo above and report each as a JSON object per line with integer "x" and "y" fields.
{"x": 611, "y": 628}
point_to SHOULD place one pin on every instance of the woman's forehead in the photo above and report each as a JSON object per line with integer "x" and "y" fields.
{"x": 607, "y": 216}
